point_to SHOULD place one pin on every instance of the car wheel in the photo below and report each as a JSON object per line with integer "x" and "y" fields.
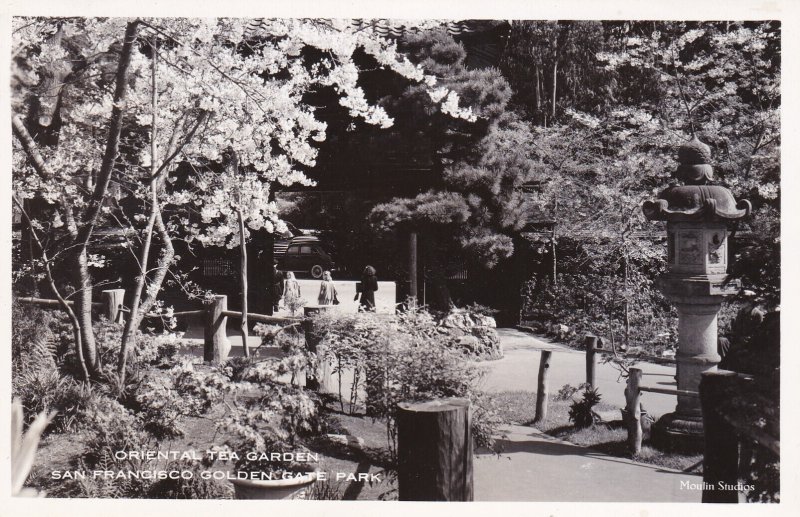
{"x": 316, "y": 271}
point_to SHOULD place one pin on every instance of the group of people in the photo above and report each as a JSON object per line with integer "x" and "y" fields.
{"x": 288, "y": 289}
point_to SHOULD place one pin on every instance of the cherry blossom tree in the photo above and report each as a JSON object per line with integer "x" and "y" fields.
{"x": 173, "y": 92}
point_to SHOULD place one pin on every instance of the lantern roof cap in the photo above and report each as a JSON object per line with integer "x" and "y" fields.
{"x": 696, "y": 203}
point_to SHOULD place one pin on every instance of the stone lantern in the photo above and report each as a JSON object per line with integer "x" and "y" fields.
{"x": 697, "y": 215}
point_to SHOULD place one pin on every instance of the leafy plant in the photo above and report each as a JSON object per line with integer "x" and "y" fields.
{"x": 567, "y": 391}
{"x": 581, "y": 413}
{"x": 403, "y": 358}
{"x": 23, "y": 446}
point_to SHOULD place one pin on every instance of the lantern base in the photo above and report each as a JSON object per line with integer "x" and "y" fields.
{"x": 678, "y": 433}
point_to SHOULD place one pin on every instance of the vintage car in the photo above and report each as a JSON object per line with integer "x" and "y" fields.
{"x": 304, "y": 254}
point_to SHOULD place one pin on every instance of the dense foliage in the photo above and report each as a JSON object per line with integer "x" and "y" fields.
{"x": 402, "y": 358}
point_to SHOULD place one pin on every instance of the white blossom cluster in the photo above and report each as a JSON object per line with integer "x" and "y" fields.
{"x": 218, "y": 93}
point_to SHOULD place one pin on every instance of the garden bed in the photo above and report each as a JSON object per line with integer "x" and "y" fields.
{"x": 62, "y": 452}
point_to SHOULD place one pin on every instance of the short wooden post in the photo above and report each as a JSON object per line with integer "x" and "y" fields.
{"x": 721, "y": 454}
{"x": 591, "y": 342}
{"x": 542, "y": 391}
{"x": 312, "y": 340}
{"x": 633, "y": 410}
{"x": 112, "y": 303}
{"x": 216, "y": 346}
{"x": 320, "y": 379}
{"x": 434, "y": 450}
{"x": 413, "y": 288}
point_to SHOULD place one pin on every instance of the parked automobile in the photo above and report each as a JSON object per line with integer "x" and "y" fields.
{"x": 305, "y": 254}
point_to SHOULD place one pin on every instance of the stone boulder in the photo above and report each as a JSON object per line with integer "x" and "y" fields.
{"x": 475, "y": 333}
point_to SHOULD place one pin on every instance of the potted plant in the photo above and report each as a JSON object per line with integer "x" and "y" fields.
{"x": 273, "y": 473}
{"x": 265, "y": 423}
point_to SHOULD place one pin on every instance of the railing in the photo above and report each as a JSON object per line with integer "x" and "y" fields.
{"x": 633, "y": 406}
{"x": 728, "y": 433}
{"x": 215, "y": 313}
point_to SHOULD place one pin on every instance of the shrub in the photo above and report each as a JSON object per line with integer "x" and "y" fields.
{"x": 595, "y": 304}
{"x": 403, "y": 358}
{"x": 112, "y": 427}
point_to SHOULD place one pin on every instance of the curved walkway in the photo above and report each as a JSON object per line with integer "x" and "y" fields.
{"x": 537, "y": 467}
{"x": 519, "y": 368}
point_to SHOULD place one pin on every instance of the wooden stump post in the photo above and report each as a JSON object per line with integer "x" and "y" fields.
{"x": 434, "y": 450}
{"x": 413, "y": 287}
{"x": 721, "y": 453}
{"x": 591, "y": 343}
{"x": 112, "y": 303}
{"x": 633, "y": 409}
{"x": 542, "y": 391}
{"x": 216, "y": 346}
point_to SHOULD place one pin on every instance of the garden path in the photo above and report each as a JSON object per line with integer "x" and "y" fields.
{"x": 538, "y": 468}
{"x": 519, "y": 368}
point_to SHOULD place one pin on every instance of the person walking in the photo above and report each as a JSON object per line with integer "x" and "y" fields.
{"x": 327, "y": 291}
{"x": 291, "y": 292}
{"x": 367, "y": 288}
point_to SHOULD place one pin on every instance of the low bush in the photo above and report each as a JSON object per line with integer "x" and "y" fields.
{"x": 402, "y": 358}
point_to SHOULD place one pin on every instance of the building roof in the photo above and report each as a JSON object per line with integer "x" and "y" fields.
{"x": 391, "y": 28}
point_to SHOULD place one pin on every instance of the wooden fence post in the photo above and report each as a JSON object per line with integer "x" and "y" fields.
{"x": 312, "y": 381}
{"x": 434, "y": 451}
{"x": 216, "y": 347}
{"x": 112, "y": 303}
{"x": 721, "y": 454}
{"x": 320, "y": 379}
{"x": 633, "y": 410}
{"x": 590, "y": 342}
{"x": 542, "y": 391}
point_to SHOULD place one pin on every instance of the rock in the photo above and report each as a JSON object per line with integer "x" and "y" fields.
{"x": 490, "y": 342}
{"x": 481, "y": 320}
{"x": 347, "y": 440}
{"x": 474, "y": 333}
{"x": 470, "y": 343}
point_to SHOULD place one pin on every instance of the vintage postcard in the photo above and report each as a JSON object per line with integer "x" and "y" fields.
{"x": 397, "y": 255}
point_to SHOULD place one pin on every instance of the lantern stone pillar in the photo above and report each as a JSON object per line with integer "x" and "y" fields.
{"x": 696, "y": 281}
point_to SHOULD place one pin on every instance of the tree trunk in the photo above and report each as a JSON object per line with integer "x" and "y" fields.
{"x": 76, "y": 325}
{"x": 538, "y": 92}
{"x": 555, "y": 81}
{"x": 627, "y": 305}
{"x": 167, "y": 254}
{"x": 554, "y": 241}
{"x": 243, "y": 275}
{"x": 129, "y": 334}
{"x": 83, "y": 311}
{"x": 412, "y": 268}
{"x": 111, "y": 152}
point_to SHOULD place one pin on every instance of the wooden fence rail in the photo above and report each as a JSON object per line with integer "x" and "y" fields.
{"x": 633, "y": 406}
{"x": 50, "y": 303}
{"x": 726, "y": 434}
{"x": 216, "y": 345}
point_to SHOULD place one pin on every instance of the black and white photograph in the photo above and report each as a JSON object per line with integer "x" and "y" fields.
{"x": 458, "y": 258}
